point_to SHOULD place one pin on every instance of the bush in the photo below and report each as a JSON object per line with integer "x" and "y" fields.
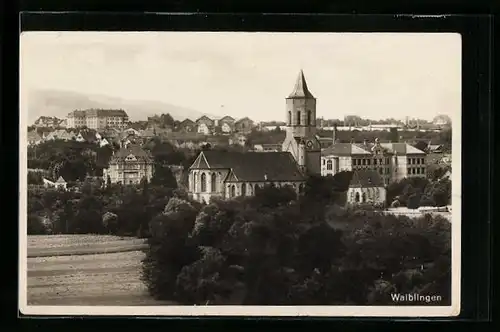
{"x": 36, "y": 225}
{"x": 395, "y": 204}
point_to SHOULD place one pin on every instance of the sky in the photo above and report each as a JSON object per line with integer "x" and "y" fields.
{"x": 372, "y": 75}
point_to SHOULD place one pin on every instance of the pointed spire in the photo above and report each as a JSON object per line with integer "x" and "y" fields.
{"x": 300, "y": 90}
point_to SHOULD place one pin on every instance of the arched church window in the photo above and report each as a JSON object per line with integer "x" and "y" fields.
{"x": 289, "y": 118}
{"x": 356, "y": 198}
{"x": 203, "y": 182}
{"x": 364, "y": 198}
{"x": 309, "y": 117}
{"x": 243, "y": 189}
{"x": 329, "y": 165}
{"x": 213, "y": 182}
{"x": 233, "y": 191}
{"x": 195, "y": 181}
{"x": 298, "y": 118}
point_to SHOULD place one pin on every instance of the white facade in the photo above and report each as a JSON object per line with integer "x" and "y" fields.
{"x": 203, "y": 129}
{"x": 226, "y": 128}
{"x": 370, "y": 195}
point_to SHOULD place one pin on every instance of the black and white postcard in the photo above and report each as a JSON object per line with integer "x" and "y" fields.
{"x": 240, "y": 174}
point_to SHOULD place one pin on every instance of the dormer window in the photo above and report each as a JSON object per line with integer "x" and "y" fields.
{"x": 131, "y": 157}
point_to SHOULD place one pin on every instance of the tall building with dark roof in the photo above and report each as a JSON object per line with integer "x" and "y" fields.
{"x": 301, "y": 140}
{"x": 224, "y": 174}
{"x": 97, "y": 119}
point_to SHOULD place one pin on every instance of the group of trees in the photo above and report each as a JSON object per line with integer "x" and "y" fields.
{"x": 70, "y": 159}
{"x": 416, "y": 192}
{"x": 279, "y": 249}
{"x": 116, "y": 209}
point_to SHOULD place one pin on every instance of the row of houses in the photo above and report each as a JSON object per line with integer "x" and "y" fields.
{"x": 208, "y": 126}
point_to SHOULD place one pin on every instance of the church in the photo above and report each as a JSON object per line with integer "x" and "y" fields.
{"x": 226, "y": 174}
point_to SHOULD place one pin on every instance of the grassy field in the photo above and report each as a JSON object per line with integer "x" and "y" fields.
{"x": 86, "y": 270}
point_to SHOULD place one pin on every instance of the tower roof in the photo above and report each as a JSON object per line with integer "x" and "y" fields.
{"x": 300, "y": 90}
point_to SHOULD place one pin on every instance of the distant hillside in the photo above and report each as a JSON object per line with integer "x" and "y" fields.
{"x": 60, "y": 103}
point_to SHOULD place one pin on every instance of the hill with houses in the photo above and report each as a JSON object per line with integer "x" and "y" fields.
{"x": 59, "y": 103}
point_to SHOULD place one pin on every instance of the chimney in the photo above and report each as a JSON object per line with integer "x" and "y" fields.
{"x": 352, "y": 140}
{"x": 265, "y": 177}
{"x": 334, "y": 138}
{"x": 365, "y": 142}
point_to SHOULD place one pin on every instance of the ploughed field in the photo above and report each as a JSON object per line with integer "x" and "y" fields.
{"x": 86, "y": 270}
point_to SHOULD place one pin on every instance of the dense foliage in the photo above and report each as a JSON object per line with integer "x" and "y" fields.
{"x": 120, "y": 210}
{"x": 70, "y": 159}
{"x": 416, "y": 192}
{"x": 275, "y": 248}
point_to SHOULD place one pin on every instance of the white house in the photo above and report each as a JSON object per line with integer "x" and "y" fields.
{"x": 226, "y": 128}
{"x": 366, "y": 186}
{"x": 59, "y": 183}
{"x": 204, "y": 129}
{"x": 103, "y": 142}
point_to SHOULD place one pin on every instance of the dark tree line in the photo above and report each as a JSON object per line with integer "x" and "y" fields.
{"x": 275, "y": 248}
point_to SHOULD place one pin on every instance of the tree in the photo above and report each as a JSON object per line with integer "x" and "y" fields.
{"x": 203, "y": 280}
{"x": 110, "y": 222}
{"x": 36, "y": 225}
{"x": 169, "y": 250}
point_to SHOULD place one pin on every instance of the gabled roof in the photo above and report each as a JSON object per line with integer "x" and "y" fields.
{"x": 186, "y": 122}
{"x": 227, "y": 118}
{"x": 60, "y": 180}
{"x": 88, "y": 136}
{"x": 147, "y": 132}
{"x": 33, "y": 136}
{"x": 139, "y": 153}
{"x": 252, "y": 166}
{"x": 204, "y": 117}
{"x": 401, "y": 148}
{"x": 300, "y": 90}
{"x": 244, "y": 119}
{"x": 366, "y": 179}
{"x": 346, "y": 149}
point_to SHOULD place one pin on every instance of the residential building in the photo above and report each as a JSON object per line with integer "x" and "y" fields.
{"x": 267, "y": 147}
{"x": 60, "y": 183}
{"x": 63, "y": 123}
{"x": 226, "y": 124}
{"x": 97, "y": 119}
{"x": 129, "y": 165}
{"x": 301, "y": 140}
{"x": 187, "y": 126}
{"x": 226, "y": 175}
{"x": 47, "y": 121}
{"x": 205, "y": 125}
{"x": 60, "y": 134}
{"x": 244, "y": 125}
{"x": 34, "y": 138}
{"x": 366, "y": 186}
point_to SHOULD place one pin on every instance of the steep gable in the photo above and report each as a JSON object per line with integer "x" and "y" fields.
{"x": 200, "y": 162}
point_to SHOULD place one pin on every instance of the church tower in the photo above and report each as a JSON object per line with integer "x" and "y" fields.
{"x": 301, "y": 140}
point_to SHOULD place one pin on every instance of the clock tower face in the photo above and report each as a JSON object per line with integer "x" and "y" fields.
{"x": 309, "y": 144}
